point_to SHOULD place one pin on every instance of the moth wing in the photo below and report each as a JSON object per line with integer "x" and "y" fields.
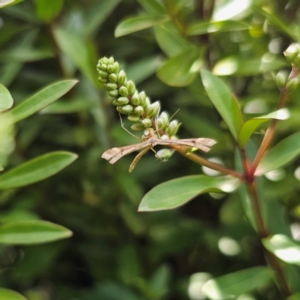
{"x": 204, "y": 144}
{"x": 112, "y": 155}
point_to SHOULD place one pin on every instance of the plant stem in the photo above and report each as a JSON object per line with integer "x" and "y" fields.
{"x": 269, "y": 134}
{"x": 202, "y": 161}
{"x": 263, "y": 233}
{"x": 284, "y": 96}
{"x": 249, "y": 179}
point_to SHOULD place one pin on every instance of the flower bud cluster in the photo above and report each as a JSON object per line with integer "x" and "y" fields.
{"x": 136, "y": 105}
{"x": 292, "y": 54}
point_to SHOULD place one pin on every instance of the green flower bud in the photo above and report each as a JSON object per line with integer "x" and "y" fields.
{"x": 122, "y": 77}
{"x": 292, "y": 52}
{"x": 296, "y": 62}
{"x": 147, "y": 122}
{"x": 135, "y": 100}
{"x": 111, "y": 86}
{"x": 292, "y": 84}
{"x": 103, "y": 73}
{"x": 105, "y": 60}
{"x": 142, "y": 97}
{"x": 147, "y": 102}
{"x": 102, "y": 67}
{"x": 134, "y": 118}
{"x": 121, "y": 101}
{"x": 137, "y": 127}
{"x": 153, "y": 109}
{"x": 138, "y": 110}
{"x": 110, "y": 68}
{"x": 116, "y": 67}
{"x": 111, "y": 60}
{"x": 123, "y": 91}
{"x": 126, "y": 109}
{"x": 164, "y": 154}
{"x": 102, "y": 79}
{"x": 114, "y": 93}
{"x": 117, "y": 103}
{"x": 131, "y": 87}
{"x": 164, "y": 137}
{"x": 281, "y": 79}
{"x": 163, "y": 120}
{"x": 149, "y": 132}
{"x": 173, "y": 128}
{"x": 113, "y": 78}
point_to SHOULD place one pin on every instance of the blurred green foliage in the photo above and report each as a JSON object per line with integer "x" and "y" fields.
{"x": 116, "y": 253}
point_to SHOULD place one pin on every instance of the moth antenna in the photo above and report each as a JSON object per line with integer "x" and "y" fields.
{"x": 123, "y": 126}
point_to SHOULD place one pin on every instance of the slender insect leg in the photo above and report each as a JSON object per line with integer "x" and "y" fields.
{"x": 123, "y": 126}
{"x": 138, "y": 157}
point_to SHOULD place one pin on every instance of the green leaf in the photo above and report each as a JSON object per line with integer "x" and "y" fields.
{"x": 6, "y": 294}
{"x": 177, "y": 192}
{"x": 143, "y": 68}
{"x": 181, "y": 69}
{"x": 6, "y": 100}
{"x": 160, "y": 281}
{"x": 67, "y": 106}
{"x": 48, "y": 10}
{"x": 98, "y": 14}
{"x": 135, "y": 24}
{"x": 231, "y": 9}
{"x": 284, "y": 248}
{"x": 220, "y": 26}
{"x": 281, "y": 154}
{"x": 249, "y": 126}
{"x": 4, "y": 3}
{"x": 32, "y": 232}
{"x": 273, "y": 18}
{"x": 71, "y": 44}
{"x": 170, "y": 41}
{"x": 25, "y": 54}
{"x": 153, "y": 7}
{"x": 36, "y": 169}
{"x": 226, "y": 105}
{"x": 231, "y": 285}
{"x": 246, "y": 66}
{"x": 40, "y": 100}
{"x": 9, "y": 72}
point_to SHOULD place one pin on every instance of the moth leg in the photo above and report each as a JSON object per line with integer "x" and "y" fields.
{"x": 123, "y": 126}
{"x": 138, "y": 157}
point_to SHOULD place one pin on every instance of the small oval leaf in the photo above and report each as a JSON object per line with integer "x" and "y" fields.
{"x": 135, "y": 24}
{"x": 36, "y": 169}
{"x": 181, "y": 70}
{"x": 32, "y": 232}
{"x": 47, "y": 11}
{"x": 40, "y": 100}
{"x": 177, "y": 192}
{"x": 249, "y": 126}
{"x": 6, "y": 294}
{"x": 282, "y": 153}
{"x": 224, "y": 102}
{"x": 4, "y": 3}
{"x": 234, "y": 284}
{"x": 284, "y": 248}
{"x": 274, "y": 19}
{"x": 247, "y": 66}
{"x": 169, "y": 41}
{"x": 6, "y": 100}
{"x": 219, "y": 26}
